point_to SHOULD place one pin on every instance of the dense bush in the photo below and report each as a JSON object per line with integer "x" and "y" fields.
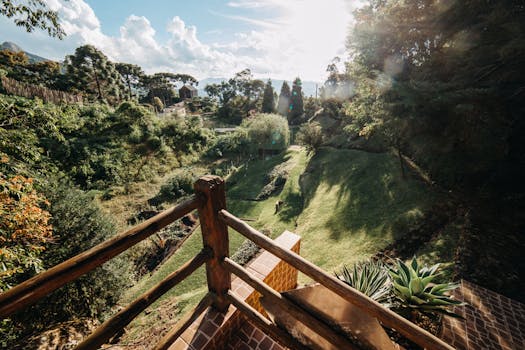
{"x": 267, "y": 131}
{"x": 24, "y": 229}
{"x": 178, "y": 186}
{"x": 311, "y": 136}
{"x": 235, "y": 143}
{"x": 78, "y": 224}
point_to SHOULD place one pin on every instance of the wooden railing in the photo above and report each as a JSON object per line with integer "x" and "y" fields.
{"x": 210, "y": 202}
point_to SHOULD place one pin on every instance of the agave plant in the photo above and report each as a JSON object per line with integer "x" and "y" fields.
{"x": 370, "y": 278}
{"x": 414, "y": 289}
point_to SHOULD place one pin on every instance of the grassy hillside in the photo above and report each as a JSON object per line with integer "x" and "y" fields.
{"x": 355, "y": 204}
{"x": 345, "y": 204}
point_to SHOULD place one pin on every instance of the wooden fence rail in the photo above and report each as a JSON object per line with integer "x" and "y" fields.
{"x": 37, "y": 287}
{"x": 368, "y": 305}
{"x": 214, "y": 219}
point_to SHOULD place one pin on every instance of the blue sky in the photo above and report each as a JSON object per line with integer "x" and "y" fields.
{"x": 281, "y": 39}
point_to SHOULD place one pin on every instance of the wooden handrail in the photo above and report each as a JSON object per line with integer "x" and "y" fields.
{"x": 265, "y": 324}
{"x": 185, "y": 322}
{"x": 298, "y": 313}
{"x": 44, "y": 283}
{"x": 120, "y": 320}
{"x": 368, "y": 305}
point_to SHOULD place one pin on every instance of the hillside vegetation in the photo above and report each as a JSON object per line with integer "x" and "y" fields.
{"x": 346, "y": 205}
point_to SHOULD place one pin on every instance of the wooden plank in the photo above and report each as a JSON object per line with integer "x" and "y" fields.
{"x": 214, "y": 236}
{"x": 282, "y": 336}
{"x": 299, "y": 314}
{"x": 115, "y": 324}
{"x": 185, "y": 322}
{"x": 44, "y": 283}
{"x": 368, "y": 305}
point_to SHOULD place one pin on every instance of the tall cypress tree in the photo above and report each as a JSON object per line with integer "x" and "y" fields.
{"x": 268, "y": 102}
{"x": 284, "y": 99}
{"x": 296, "y": 109}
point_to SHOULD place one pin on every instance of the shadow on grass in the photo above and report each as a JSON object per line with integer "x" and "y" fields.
{"x": 293, "y": 206}
{"x": 371, "y": 193}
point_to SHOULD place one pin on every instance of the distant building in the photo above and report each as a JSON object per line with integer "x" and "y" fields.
{"x": 188, "y": 91}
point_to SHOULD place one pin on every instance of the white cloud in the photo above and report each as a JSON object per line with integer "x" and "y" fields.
{"x": 299, "y": 39}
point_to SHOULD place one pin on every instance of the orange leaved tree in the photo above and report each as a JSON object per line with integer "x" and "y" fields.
{"x": 24, "y": 228}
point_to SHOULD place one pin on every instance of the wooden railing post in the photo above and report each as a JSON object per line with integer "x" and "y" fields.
{"x": 215, "y": 236}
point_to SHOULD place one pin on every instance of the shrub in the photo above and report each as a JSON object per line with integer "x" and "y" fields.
{"x": 267, "y": 131}
{"x": 414, "y": 291}
{"x": 78, "y": 224}
{"x": 178, "y": 186}
{"x": 370, "y": 278}
{"x": 311, "y": 136}
{"x": 24, "y": 229}
{"x": 276, "y": 179}
{"x": 235, "y": 143}
{"x": 157, "y": 103}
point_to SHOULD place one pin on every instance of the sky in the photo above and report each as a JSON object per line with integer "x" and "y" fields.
{"x": 279, "y": 39}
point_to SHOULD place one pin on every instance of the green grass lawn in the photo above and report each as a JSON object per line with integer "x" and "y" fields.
{"x": 345, "y": 204}
{"x": 356, "y": 203}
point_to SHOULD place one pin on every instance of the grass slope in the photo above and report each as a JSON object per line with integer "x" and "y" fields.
{"x": 355, "y": 204}
{"x": 345, "y": 204}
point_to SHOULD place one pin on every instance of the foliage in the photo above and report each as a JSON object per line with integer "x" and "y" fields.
{"x": 157, "y": 103}
{"x": 179, "y": 185}
{"x": 311, "y": 106}
{"x": 91, "y": 72}
{"x": 131, "y": 75}
{"x": 162, "y": 85}
{"x": 32, "y": 14}
{"x": 267, "y": 131}
{"x": 296, "y": 108}
{"x": 370, "y": 278}
{"x": 283, "y": 106}
{"x": 276, "y": 178}
{"x": 442, "y": 83}
{"x": 24, "y": 229}
{"x": 237, "y": 97}
{"x": 268, "y": 103}
{"x": 310, "y": 135}
{"x": 414, "y": 290}
{"x": 235, "y": 143}
{"x": 78, "y": 224}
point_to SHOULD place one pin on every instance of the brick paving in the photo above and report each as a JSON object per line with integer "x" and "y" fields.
{"x": 492, "y": 321}
{"x": 232, "y": 330}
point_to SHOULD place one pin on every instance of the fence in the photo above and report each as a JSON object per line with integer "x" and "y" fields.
{"x": 210, "y": 202}
{"x": 18, "y": 88}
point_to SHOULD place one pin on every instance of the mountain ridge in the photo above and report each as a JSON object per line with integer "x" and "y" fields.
{"x": 8, "y": 45}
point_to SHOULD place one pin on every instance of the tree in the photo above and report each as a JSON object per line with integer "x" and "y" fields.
{"x": 162, "y": 85}
{"x": 90, "y": 71}
{"x": 283, "y": 105}
{"x": 268, "y": 103}
{"x": 237, "y": 96}
{"x": 131, "y": 75}
{"x": 296, "y": 110}
{"x": 32, "y": 14}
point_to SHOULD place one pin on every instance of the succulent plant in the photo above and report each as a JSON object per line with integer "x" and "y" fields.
{"x": 414, "y": 289}
{"x": 370, "y": 278}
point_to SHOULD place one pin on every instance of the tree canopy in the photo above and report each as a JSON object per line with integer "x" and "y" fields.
{"x": 33, "y": 14}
